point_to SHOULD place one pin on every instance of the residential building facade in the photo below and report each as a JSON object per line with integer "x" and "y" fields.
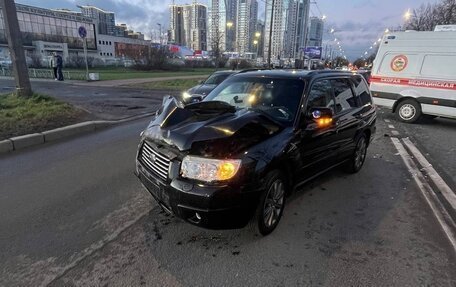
{"x": 105, "y": 21}
{"x": 289, "y": 28}
{"x": 247, "y": 15}
{"x": 217, "y": 29}
{"x": 278, "y": 28}
{"x": 316, "y": 32}
{"x": 176, "y": 33}
{"x": 296, "y": 32}
{"x": 231, "y": 20}
{"x": 188, "y": 26}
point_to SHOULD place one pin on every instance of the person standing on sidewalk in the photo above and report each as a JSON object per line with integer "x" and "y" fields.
{"x": 59, "y": 68}
{"x": 53, "y": 64}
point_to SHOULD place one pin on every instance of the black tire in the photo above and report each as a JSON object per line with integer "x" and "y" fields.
{"x": 272, "y": 203}
{"x": 356, "y": 161}
{"x": 408, "y": 111}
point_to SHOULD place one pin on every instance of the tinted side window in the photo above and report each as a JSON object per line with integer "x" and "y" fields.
{"x": 343, "y": 93}
{"x": 362, "y": 91}
{"x": 321, "y": 95}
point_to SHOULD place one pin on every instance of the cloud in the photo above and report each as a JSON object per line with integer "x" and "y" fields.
{"x": 355, "y": 37}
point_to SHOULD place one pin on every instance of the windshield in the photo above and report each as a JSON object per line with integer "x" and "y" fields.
{"x": 216, "y": 79}
{"x": 276, "y": 98}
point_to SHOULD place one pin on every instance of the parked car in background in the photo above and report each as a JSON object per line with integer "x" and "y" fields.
{"x": 6, "y": 63}
{"x": 414, "y": 74}
{"x": 234, "y": 157}
{"x": 206, "y": 86}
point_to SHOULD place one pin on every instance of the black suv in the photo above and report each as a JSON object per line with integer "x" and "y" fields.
{"x": 233, "y": 158}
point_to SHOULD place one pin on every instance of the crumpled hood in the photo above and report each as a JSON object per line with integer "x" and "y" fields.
{"x": 209, "y": 128}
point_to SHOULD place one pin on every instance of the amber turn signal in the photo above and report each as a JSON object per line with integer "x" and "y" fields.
{"x": 324, "y": 122}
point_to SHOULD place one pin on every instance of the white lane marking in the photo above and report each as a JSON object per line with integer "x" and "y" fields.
{"x": 446, "y": 191}
{"x": 387, "y": 121}
{"x": 391, "y": 127}
{"x": 439, "y": 211}
{"x": 395, "y": 133}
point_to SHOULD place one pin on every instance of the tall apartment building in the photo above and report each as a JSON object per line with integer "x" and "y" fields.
{"x": 289, "y": 28}
{"x": 105, "y": 21}
{"x": 247, "y": 16}
{"x": 231, "y": 17}
{"x": 188, "y": 25}
{"x": 176, "y": 25}
{"x": 217, "y": 28}
{"x": 316, "y": 32}
{"x": 296, "y": 29}
{"x": 278, "y": 28}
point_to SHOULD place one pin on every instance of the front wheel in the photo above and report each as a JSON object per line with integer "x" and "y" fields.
{"x": 271, "y": 205}
{"x": 408, "y": 111}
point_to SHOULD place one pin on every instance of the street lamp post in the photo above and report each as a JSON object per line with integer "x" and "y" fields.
{"x": 160, "y": 35}
{"x": 229, "y": 25}
{"x": 257, "y": 42}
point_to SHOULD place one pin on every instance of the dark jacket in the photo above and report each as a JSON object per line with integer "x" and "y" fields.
{"x": 59, "y": 61}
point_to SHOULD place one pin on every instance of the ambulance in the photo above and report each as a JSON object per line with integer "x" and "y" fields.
{"x": 414, "y": 74}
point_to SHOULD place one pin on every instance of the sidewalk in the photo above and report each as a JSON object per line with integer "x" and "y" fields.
{"x": 103, "y": 102}
{"x": 116, "y": 83}
{"x": 127, "y": 82}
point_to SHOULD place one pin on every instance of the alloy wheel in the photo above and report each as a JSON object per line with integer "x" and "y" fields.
{"x": 273, "y": 204}
{"x": 360, "y": 153}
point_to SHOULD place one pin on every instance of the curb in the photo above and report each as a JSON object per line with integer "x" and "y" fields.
{"x": 21, "y": 142}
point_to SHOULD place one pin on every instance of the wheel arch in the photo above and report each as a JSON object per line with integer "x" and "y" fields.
{"x": 285, "y": 171}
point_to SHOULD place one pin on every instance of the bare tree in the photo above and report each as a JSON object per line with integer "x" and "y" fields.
{"x": 217, "y": 40}
{"x": 427, "y": 16}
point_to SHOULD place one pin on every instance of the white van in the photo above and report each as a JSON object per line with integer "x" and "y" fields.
{"x": 414, "y": 74}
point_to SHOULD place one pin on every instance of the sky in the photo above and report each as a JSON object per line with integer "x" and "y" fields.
{"x": 357, "y": 23}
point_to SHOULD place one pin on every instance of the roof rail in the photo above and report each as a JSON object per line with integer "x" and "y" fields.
{"x": 328, "y": 72}
{"x": 253, "y": 70}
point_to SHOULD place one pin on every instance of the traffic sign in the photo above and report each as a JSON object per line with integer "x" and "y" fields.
{"x": 82, "y": 32}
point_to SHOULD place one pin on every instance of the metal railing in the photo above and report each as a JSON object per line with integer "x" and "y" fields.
{"x": 45, "y": 74}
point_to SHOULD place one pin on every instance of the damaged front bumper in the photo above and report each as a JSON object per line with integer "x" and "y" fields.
{"x": 212, "y": 207}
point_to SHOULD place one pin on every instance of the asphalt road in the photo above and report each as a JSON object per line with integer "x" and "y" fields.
{"x": 436, "y": 139}
{"x": 73, "y": 214}
{"x": 106, "y": 103}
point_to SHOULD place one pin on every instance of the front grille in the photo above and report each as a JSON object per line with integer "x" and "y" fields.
{"x": 155, "y": 161}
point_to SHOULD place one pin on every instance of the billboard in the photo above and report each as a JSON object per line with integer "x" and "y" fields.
{"x": 313, "y": 52}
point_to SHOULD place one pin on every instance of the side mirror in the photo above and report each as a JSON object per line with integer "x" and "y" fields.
{"x": 321, "y": 116}
{"x": 201, "y": 82}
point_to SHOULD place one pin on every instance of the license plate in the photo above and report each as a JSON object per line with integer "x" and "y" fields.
{"x": 157, "y": 190}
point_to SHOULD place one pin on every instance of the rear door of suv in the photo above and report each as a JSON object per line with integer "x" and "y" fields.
{"x": 346, "y": 115}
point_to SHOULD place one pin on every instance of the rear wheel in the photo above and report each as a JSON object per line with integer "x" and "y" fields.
{"x": 271, "y": 205}
{"x": 358, "y": 158}
{"x": 408, "y": 111}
